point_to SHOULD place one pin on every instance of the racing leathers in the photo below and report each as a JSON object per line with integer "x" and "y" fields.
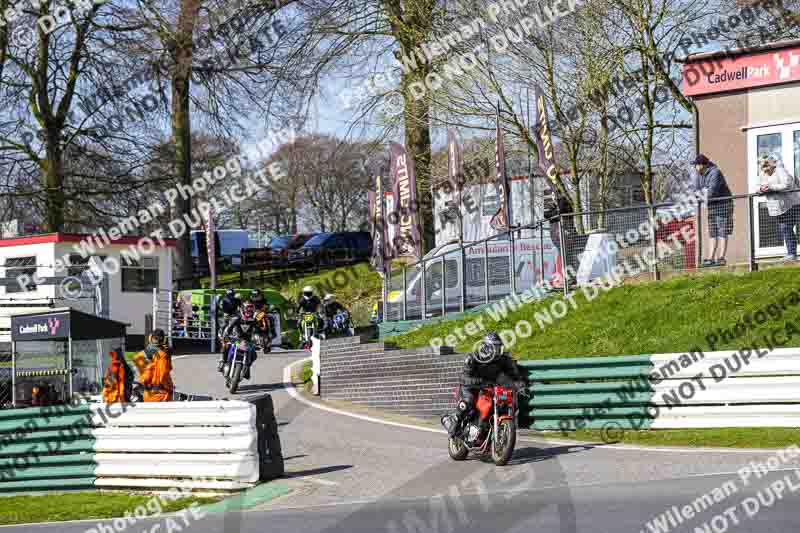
{"x": 502, "y": 371}
{"x": 243, "y": 330}
{"x": 329, "y": 311}
{"x": 310, "y": 305}
{"x": 230, "y": 306}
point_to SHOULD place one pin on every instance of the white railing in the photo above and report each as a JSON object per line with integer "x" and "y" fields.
{"x": 180, "y": 317}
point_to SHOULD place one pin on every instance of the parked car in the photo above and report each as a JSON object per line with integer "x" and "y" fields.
{"x": 281, "y": 246}
{"x": 228, "y": 244}
{"x": 329, "y": 249}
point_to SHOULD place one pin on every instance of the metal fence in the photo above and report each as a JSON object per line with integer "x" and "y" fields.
{"x": 642, "y": 242}
{"x": 187, "y": 314}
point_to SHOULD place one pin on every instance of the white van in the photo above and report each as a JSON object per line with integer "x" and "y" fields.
{"x": 528, "y": 257}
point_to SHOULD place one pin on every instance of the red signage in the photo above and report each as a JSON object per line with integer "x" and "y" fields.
{"x": 722, "y": 74}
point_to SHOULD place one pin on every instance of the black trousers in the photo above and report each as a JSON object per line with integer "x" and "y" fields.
{"x": 469, "y": 395}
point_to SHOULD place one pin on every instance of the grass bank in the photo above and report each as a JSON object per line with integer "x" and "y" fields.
{"x": 83, "y": 505}
{"x": 715, "y": 437}
{"x": 664, "y": 317}
{"x": 356, "y": 286}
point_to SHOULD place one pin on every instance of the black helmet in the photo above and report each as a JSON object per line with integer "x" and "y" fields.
{"x": 490, "y": 348}
{"x": 255, "y": 293}
{"x": 158, "y": 336}
{"x": 230, "y": 293}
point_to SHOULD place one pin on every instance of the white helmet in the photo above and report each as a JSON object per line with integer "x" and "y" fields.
{"x": 330, "y": 298}
{"x": 308, "y": 292}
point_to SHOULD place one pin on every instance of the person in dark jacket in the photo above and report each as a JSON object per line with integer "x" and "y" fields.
{"x": 709, "y": 177}
{"x": 229, "y": 305}
{"x": 310, "y": 303}
{"x": 567, "y": 250}
{"x": 258, "y": 300}
{"x": 488, "y": 365}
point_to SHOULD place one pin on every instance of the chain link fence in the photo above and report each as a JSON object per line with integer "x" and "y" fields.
{"x": 634, "y": 243}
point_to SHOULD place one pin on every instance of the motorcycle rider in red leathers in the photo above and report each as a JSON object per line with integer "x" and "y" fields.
{"x": 488, "y": 365}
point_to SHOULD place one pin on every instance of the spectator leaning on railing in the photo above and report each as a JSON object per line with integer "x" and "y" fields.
{"x": 775, "y": 179}
{"x": 720, "y": 206}
{"x": 561, "y": 206}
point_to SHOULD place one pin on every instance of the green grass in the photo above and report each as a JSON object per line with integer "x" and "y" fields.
{"x": 664, "y": 317}
{"x": 82, "y": 505}
{"x": 718, "y": 437}
{"x": 356, "y": 286}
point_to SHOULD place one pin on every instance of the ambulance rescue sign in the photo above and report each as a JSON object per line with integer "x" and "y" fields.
{"x": 720, "y": 74}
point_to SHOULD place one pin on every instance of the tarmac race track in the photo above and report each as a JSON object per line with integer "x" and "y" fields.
{"x": 351, "y": 475}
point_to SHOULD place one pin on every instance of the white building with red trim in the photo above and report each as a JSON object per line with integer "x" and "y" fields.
{"x": 129, "y": 273}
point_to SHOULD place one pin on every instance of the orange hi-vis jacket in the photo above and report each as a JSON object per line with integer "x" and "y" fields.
{"x": 156, "y": 376}
{"x": 114, "y": 381}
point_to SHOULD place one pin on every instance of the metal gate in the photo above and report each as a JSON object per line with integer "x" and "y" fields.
{"x": 187, "y": 314}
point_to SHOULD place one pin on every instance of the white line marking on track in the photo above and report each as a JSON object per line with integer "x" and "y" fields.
{"x": 325, "y": 482}
{"x": 287, "y": 381}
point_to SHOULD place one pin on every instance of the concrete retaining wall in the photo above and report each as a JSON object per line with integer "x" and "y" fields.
{"x": 418, "y": 382}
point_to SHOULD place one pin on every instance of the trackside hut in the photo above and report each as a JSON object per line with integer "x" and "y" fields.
{"x": 126, "y": 294}
{"x": 748, "y": 104}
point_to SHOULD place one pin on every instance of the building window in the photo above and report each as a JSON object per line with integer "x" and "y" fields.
{"x": 139, "y": 276}
{"x": 17, "y": 266}
{"x": 77, "y": 266}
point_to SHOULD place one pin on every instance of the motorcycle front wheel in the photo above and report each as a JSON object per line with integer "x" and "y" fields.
{"x": 457, "y": 449}
{"x": 226, "y": 372}
{"x": 503, "y": 443}
{"x": 235, "y": 378}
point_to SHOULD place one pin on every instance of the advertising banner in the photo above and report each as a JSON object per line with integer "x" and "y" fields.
{"x": 500, "y": 220}
{"x": 377, "y": 226}
{"x": 405, "y": 217}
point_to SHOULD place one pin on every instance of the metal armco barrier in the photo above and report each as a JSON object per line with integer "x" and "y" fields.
{"x": 664, "y": 391}
{"x": 46, "y": 448}
{"x": 213, "y": 445}
{"x": 627, "y": 392}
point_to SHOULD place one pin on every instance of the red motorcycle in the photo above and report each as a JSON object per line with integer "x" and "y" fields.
{"x": 490, "y": 428}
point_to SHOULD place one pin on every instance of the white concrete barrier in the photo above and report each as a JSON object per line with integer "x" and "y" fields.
{"x": 204, "y": 445}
